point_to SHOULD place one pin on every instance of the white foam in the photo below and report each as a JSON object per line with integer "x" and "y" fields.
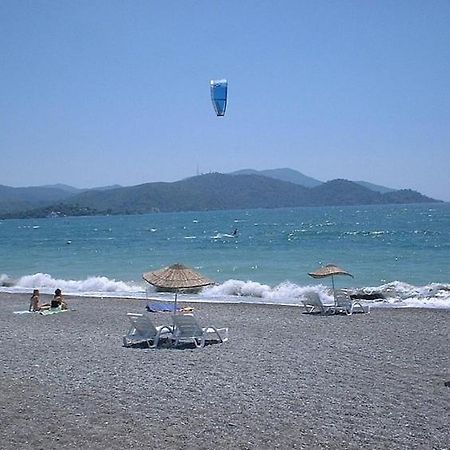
{"x": 6, "y": 280}
{"x": 403, "y": 295}
{"x": 92, "y": 285}
{"x": 222, "y": 235}
{"x": 284, "y": 293}
{"x": 396, "y": 294}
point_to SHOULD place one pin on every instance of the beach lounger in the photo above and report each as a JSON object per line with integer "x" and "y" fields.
{"x": 143, "y": 330}
{"x": 313, "y": 303}
{"x": 187, "y": 330}
{"x": 344, "y": 303}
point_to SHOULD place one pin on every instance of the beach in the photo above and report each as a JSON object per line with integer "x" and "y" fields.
{"x": 283, "y": 380}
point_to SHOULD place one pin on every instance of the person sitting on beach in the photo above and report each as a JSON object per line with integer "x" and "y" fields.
{"x": 58, "y": 300}
{"x": 34, "y": 301}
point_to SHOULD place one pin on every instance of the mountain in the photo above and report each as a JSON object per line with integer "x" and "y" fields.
{"x": 293, "y": 176}
{"x": 204, "y": 192}
{"x": 217, "y": 191}
{"x": 345, "y": 192}
{"x": 74, "y": 190}
{"x": 21, "y": 199}
{"x": 63, "y": 187}
{"x": 297, "y": 177}
{"x": 408, "y": 196}
{"x": 375, "y": 187}
{"x": 18, "y": 199}
{"x": 104, "y": 188}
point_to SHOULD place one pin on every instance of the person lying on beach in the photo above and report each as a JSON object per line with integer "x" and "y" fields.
{"x": 58, "y": 300}
{"x": 34, "y": 301}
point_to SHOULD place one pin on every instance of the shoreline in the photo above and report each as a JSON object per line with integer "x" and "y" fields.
{"x": 283, "y": 380}
{"x": 374, "y": 304}
{"x": 395, "y": 294}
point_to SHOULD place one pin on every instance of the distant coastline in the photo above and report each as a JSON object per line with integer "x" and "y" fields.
{"x": 209, "y": 192}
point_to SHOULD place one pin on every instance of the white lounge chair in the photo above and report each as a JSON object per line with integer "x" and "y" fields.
{"x": 313, "y": 303}
{"x": 344, "y": 303}
{"x": 143, "y": 330}
{"x": 186, "y": 329}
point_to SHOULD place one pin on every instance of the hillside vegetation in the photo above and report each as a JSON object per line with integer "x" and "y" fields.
{"x": 215, "y": 192}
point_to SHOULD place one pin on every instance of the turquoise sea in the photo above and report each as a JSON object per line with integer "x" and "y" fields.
{"x": 402, "y": 251}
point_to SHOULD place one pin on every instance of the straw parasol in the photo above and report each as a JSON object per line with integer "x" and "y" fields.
{"x": 176, "y": 278}
{"x": 330, "y": 270}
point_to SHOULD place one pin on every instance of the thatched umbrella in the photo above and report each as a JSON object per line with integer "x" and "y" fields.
{"x": 176, "y": 278}
{"x": 330, "y": 270}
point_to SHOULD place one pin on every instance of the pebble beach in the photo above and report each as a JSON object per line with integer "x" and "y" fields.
{"x": 284, "y": 379}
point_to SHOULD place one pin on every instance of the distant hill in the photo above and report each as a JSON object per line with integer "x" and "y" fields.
{"x": 375, "y": 187}
{"x": 21, "y": 199}
{"x": 344, "y": 192}
{"x": 217, "y": 191}
{"x": 18, "y": 199}
{"x": 104, "y": 188}
{"x": 293, "y": 176}
{"x": 63, "y": 187}
{"x": 75, "y": 190}
{"x": 205, "y": 192}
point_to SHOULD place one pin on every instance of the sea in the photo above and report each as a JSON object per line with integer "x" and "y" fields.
{"x": 254, "y": 256}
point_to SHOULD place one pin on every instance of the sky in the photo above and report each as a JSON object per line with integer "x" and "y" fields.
{"x": 117, "y": 92}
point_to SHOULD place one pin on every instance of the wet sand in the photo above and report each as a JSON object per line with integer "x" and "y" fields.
{"x": 284, "y": 380}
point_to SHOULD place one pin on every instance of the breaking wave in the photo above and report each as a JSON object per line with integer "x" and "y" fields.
{"x": 91, "y": 286}
{"x": 396, "y": 294}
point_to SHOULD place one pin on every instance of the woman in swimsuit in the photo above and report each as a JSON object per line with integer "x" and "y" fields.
{"x": 34, "y": 301}
{"x": 58, "y": 300}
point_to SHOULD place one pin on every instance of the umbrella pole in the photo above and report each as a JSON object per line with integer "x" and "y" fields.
{"x": 175, "y": 310}
{"x": 334, "y": 291}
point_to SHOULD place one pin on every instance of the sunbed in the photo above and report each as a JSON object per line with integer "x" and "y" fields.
{"x": 313, "y": 303}
{"x": 187, "y": 330}
{"x": 143, "y": 330}
{"x": 344, "y": 303}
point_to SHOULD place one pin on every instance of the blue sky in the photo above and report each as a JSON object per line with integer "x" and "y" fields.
{"x": 104, "y": 92}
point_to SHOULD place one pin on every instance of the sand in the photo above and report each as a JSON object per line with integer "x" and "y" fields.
{"x": 284, "y": 380}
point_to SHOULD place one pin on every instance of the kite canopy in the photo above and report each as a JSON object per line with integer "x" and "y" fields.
{"x": 219, "y": 89}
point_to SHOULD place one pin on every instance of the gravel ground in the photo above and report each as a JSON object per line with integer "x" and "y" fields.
{"x": 284, "y": 380}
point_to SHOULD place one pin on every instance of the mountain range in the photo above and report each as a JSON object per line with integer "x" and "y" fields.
{"x": 215, "y": 191}
{"x": 296, "y": 177}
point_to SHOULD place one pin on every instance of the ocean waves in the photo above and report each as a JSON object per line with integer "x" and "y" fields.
{"x": 91, "y": 286}
{"x": 396, "y": 294}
